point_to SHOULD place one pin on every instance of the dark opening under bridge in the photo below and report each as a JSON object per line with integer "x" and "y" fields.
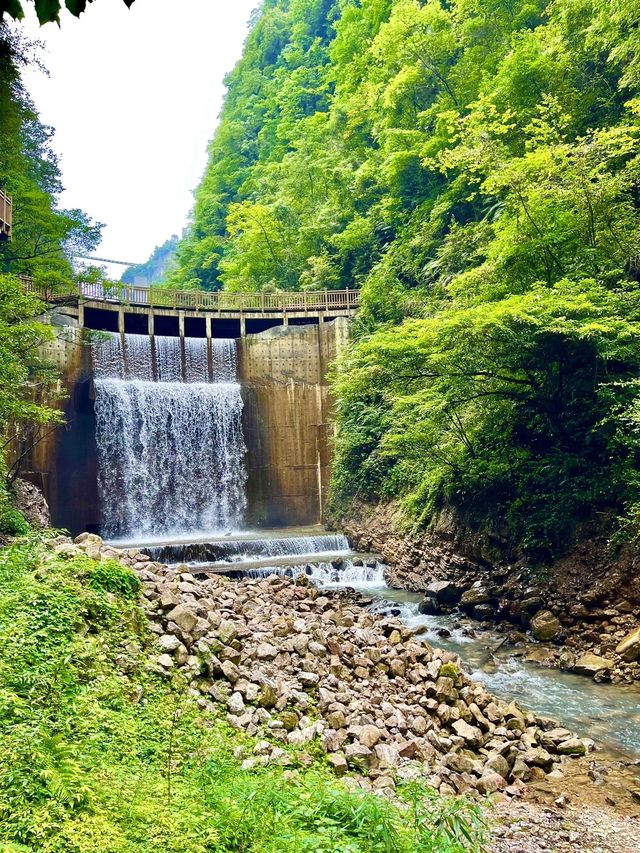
{"x": 156, "y": 310}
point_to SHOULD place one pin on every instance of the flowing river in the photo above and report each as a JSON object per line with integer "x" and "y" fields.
{"x": 610, "y": 714}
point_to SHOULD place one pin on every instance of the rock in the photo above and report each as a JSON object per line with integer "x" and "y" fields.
{"x": 358, "y": 756}
{"x": 629, "y": 648}
{"x": 572, "y": 746}
{"x": 266, "y": 651}
{"x": 289, "y": 720}
{"x": 32, "y": 504}
{"x": 338, "y": 763}
{"x": 235, "y": 704}
{"x": 478, "y": 594}
{"x": 165, "y": 661}
{"x": 267, "y": 698}
{"x": 230, "y": 671}
{"x": 490, "y": 782}
{"x": 169, "y": 642}
{"x": 544, "y": 625}
{"x": 369, "y": 735}
{"x": 429, "y": 606}
{"x": 591, "y": 664}
{"x": 471, "y": 734}
{"x": 183, "y": 617}
{"x": 444, "y": 592}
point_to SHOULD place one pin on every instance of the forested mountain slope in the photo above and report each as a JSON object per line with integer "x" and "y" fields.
{"x": 473, "y": 167}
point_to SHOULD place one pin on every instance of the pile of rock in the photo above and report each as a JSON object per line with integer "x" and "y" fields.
{"x": 586, "y": 603}
{"x": 607, "y": 651}
{"x": 294, "y": 666}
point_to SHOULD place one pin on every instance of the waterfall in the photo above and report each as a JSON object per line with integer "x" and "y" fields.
{"x": 170, "y": 444}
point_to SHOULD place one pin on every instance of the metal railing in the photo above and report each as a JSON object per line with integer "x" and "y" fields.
{"x": 201, "y": 300}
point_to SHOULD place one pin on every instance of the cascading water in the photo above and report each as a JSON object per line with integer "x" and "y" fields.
{"x": 170, "y": 444}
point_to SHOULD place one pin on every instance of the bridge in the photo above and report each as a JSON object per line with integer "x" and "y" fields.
{"x": 197, "y": 313}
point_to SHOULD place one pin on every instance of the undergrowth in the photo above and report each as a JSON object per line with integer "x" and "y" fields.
{"x": 101, "y": 754}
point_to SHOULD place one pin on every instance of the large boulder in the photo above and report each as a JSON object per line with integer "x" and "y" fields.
{"x": 478, "y": 594}
{"x": 444, "y": 592}
{"x": 544, "y": 625}
{"x": 591, "y": 664}
{"x": 629, "y": 648}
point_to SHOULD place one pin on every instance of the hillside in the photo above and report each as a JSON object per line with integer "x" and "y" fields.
{"x": 471, "y": 166}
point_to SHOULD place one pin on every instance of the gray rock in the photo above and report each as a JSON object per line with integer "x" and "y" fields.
{"x": 235, "y": 704}
{"x": 169, "y": 643}
{"x": 183, "y": 617}
{"x": 544, "y": 625}
{"x": 629, "y": 647}
{"x": 444, "y": 592}
{"x": 591, "y": 664}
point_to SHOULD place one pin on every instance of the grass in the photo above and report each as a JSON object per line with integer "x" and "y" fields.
{"x": 102, "y": 755}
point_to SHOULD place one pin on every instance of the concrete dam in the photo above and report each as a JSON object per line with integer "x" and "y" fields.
{"x": 182, "y": 421}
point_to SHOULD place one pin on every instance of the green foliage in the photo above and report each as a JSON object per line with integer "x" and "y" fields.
{"x": 100, "y": 753}
{"x": 155, "y": 270}
{"x": 12, "y": 521}
{"x": 473, "y": 167}
{"x": 111, "y": 576}
{"x": 47, "y": 10}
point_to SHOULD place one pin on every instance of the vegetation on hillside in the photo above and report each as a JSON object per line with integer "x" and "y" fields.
{"x": 154, "y": 270}
{"x": 102, "y": 754}
{"x": 473, "y": 167}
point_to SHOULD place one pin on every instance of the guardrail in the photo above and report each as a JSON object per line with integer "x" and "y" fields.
{"x": 201, "y": 300}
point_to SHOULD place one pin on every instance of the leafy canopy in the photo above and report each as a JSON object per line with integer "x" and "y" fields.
{"x": 472, "y": 166}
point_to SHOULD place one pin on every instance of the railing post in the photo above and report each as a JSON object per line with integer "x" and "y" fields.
{"x": 262, "y": 301}
{"x": 348, "y": 306}
{"x": 326, "y": 300}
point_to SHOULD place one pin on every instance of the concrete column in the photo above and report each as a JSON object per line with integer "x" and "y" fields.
{"x": 181, "y": 323}
{"x": 243, "y": 326}
{"x": 285, "y": 319}
{"x": 207, "y": 326}
{"x": 80, "y": 313}
{"x": 150, "y": 324}
{"x": 121, "y": 320}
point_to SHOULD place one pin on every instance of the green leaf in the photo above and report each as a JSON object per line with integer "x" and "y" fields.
{"x": 13, "y": 8}
{"x": 47, "y": 10}
{"x": 76, "y": 7}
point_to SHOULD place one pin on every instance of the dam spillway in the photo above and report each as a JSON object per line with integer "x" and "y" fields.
{"x": 170, "y": 445}
{"x": 286, "y": 418}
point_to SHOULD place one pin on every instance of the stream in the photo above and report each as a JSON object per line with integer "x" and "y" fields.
{"x": 607, "y": 713}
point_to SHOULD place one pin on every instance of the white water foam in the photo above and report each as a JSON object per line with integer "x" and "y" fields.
{"x": 170, "y": 452}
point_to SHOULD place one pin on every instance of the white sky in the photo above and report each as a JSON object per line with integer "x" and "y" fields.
{"x": 134, "y": 96}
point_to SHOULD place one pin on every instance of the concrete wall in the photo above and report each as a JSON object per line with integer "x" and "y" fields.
{"x": 63, "y": 460}
{"x": 288, "y": 420}
{"x": 287, "y": 423}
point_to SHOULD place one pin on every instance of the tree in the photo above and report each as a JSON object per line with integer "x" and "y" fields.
{"x": 472, "y": 166}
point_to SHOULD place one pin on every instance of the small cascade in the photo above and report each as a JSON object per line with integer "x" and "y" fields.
{"x": 245, "y": 550}
{"x": 170, "y": 444}
{"x": 327, "y": 574}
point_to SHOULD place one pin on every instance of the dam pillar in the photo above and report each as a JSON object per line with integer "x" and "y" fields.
{"x": 150, "y": 324}
{"x": 121, "y": 320}
{"x": 287, "y": 421}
